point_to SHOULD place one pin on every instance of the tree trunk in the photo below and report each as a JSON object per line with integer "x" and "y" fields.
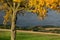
{"x": 13, "y": 27}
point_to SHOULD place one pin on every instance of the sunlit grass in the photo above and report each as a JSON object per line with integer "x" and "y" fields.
{"x": 28, "y": 36}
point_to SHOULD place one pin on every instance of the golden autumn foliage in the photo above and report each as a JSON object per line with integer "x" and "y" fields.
{"x": 39, "y": 7}
{"x": 7, "y": 17}
{"x": 16, "y": 0}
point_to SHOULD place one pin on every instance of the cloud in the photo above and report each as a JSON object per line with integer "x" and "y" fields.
{"x": 31, "y": 19}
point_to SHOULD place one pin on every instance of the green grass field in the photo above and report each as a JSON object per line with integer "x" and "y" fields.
{"x": 28, "y": 36}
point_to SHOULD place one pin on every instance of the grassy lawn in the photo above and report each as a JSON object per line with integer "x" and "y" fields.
{"x": 28, "y": 36}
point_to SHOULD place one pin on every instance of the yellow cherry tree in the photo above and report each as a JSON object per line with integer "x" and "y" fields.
{"x": 11, "y": 7}
{"x": 40, "y": 7}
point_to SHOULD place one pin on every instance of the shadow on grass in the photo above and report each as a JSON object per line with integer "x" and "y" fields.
{"x": 4, "y": 38}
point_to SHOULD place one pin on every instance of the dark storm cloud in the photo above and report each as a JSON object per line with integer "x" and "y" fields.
{"x": 31, "y": 19}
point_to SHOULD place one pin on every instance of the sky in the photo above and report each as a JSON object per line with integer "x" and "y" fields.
{"x": 31, "y": 19}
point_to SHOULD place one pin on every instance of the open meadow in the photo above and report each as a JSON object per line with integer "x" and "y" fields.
{"x": 5, "y": 35}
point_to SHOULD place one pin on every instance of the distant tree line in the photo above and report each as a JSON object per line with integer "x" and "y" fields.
{"x": 28, "y": 27}
{"x": 34, "y": 28}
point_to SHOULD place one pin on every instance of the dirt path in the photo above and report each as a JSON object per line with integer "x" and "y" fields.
{"x": 30, "y": 32}
{"x": 37, "y": 32}
{"x": 5, "y": 30}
